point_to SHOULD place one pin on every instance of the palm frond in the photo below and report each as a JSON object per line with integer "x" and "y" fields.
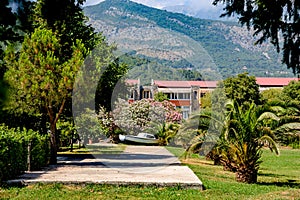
{"x": 268, "y": 141}
{"x": 292, "y": 111}
{"x": 288, "y": 127}
{"x": 192, "y": 149}
{"x": 268, "y": 115}
{"x": 278, "y": 109}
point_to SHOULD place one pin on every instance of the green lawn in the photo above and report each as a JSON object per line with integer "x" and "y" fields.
{"x": 278, "y": 179}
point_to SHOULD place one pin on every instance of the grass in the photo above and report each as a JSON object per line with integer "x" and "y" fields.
{"x": 278, "y": 179}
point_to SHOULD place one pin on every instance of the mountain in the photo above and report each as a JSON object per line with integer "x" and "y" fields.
{"x": 199, "y": 12}
{"x": 216, "y": 49}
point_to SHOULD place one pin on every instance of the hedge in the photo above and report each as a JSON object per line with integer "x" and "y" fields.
{"x": 14, "y": 151}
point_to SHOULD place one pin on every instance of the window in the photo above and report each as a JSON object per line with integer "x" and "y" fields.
{"x": 185, "y": 111}
{"x": 180, "y": 96}
{"x": 168, "y": 95}
{"x": 174, "y": 96}
{"x": 131, "y": 94}
{"x": 183, "y": 95}
{"x": 185, "y": 114}
{"x": 186, "y": 96}
{"x": 146, "y": 94}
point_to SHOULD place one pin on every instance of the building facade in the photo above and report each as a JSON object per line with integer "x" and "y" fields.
{"x": 186, "y": 95}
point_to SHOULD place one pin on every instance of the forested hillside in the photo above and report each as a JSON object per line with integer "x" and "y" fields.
{"x": 216, "y": 49}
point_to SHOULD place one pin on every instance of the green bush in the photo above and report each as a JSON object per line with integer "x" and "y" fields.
{"x": 14, "y": 151}
{"x": 11, "y": 153}
{"x": 40, "y": 149}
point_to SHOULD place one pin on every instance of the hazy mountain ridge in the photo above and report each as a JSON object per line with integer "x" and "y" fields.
{"x": 215, "y": 46}
{"x": 202, "y": 13}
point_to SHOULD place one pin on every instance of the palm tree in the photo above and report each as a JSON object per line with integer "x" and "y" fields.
{"x": 242, "y": 134}
{"x": 244, "y": 131}
{"x": 288, "y": 131}
{"x": 200, "y": 133}
{"x": 248, "y": 131}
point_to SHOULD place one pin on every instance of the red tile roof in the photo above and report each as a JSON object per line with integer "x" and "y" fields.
{"x": 186, "y": 84}
{"x": 261, "y": 81}
{"x": 132, "y": 81}
{"x": 204, "y": 84}
{"x": 270, "y": 81}
{"x": 172, "y": 84}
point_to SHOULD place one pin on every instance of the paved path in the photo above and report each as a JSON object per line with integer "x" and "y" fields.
{"x": 147, "y": 165}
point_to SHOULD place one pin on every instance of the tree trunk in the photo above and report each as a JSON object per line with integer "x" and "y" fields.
{"x": 245, "y": 175}
{"x": 72, "y": 134}
{"x": 53, "y": 118}
{"x": 53, "y": 155}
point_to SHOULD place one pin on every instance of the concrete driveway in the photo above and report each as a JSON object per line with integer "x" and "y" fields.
{"x": 146, "y": 165}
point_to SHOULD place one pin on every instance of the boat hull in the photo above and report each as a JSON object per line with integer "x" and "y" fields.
{"x": 138, "y": 140}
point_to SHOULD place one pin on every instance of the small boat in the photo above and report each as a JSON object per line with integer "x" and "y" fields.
{"x": 141, "y": 138}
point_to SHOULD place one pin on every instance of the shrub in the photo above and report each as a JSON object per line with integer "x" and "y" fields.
{"x": 14, "y": 151}
{"x": 144, "y": 114}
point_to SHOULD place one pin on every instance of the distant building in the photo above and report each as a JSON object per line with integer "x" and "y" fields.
{"x": 186, "y": 95}
{"x": 266, "y": 83}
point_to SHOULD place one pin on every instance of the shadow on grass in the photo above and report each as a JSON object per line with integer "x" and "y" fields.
{"x": 271, "y": 175}
{"x": 195, "y": 161}
{"x": 285, "y": 182}
{"x": 72, "y": 156}
{"x": 290, "y": 183}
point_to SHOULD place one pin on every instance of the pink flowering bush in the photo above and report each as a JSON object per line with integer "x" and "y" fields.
{"x": 144, "y": 114}
{"x": 171, "y": 114}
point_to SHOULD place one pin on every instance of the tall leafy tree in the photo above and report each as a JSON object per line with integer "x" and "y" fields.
{"x": 110, "y": 78}
{"x": 13, "y": 24}
{"x": 271, "y": 94}
{"x": 7, "y": 21}
{"x": 291, "y": 92}
{"x": 67, "y": 20}
{"x": 40, "y": 80}
{"x": 215, "y": 99}
{"x": 291, "y": 99}
{"x": 242, "y": 88}
{"x": 271, "y": 20}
